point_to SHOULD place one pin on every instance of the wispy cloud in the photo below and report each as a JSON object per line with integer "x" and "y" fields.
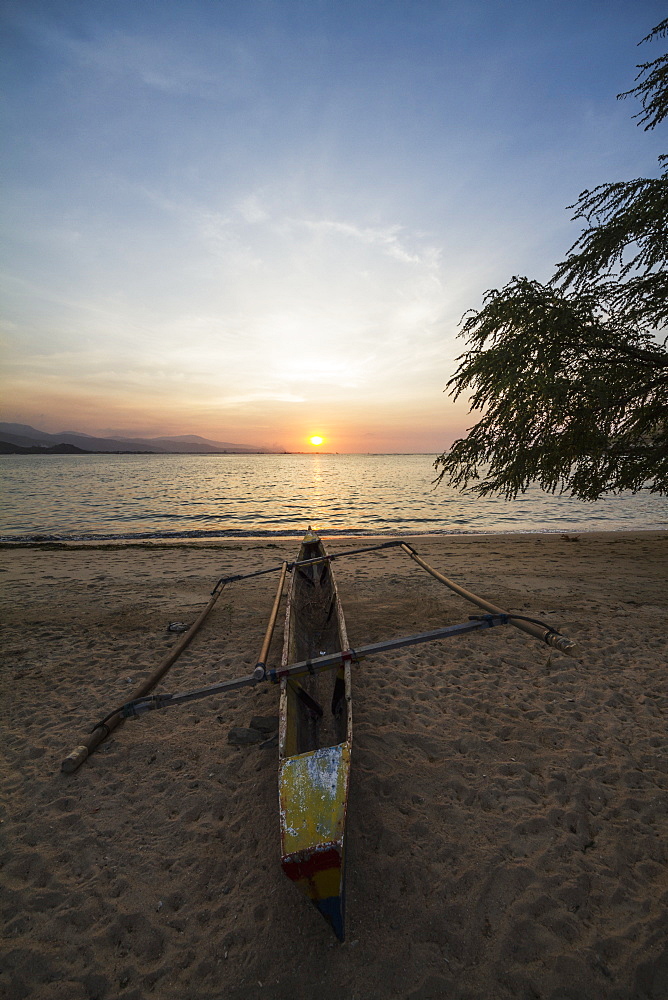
{"x": 392, "y": 239}
{"x": 251, "y": 209}
{"x": 156, "y": 60}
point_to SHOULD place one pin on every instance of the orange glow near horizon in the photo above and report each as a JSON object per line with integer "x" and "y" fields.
{"x": 358, "y": 427}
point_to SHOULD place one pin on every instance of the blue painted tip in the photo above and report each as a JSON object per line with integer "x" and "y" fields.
{"x": 333, "y": 911}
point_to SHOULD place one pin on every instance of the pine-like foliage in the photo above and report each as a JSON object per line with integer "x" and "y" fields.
{"x": 652, "y": 84}
{"x": 572, "y": 377}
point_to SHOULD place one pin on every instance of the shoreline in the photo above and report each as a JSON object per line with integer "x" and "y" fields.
{"x": 508, "y": 814}
{"x": 156, "y": 541}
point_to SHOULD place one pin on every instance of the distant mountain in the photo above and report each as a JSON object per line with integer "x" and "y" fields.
{"x": 24, "y": 436}
{"x": 39, "y": 449}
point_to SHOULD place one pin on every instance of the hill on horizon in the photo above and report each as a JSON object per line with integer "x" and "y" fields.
{"x": 25, "y": 436}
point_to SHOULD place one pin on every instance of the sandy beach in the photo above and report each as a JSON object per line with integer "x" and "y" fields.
{"x": 508, "y": 816}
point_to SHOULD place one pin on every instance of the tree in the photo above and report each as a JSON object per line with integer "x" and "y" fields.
{"x": 571, "y": 377}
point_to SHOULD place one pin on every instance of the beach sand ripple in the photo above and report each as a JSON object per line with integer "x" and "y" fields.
{"x": 508, "y": 816}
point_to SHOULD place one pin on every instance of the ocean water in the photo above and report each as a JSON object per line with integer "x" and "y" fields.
{"x": 208, "y": 496}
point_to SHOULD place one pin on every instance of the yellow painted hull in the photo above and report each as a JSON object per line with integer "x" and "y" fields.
{"x": 313, "y": 794}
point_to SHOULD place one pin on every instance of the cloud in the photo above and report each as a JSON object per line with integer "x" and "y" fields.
{"x": 252, "y": 210}
{"x": 289, "y": 307}
{"x": 261, "y": 397}
{"x": 386, "y": 238}
{"x": 154, "y": 59}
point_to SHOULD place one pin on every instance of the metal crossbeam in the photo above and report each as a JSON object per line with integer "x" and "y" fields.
{"x": 306, "y": 667}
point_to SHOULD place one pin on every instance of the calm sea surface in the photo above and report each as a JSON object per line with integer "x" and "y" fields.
{"x": 161, "y": 496}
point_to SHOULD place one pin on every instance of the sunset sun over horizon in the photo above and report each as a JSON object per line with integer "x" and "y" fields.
{"x": 228, "y": 220}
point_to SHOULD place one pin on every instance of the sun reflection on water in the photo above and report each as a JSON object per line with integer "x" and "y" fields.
{"x": 209, "y": 495}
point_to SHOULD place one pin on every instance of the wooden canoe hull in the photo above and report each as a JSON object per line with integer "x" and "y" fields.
{"x": 315, "y": 741}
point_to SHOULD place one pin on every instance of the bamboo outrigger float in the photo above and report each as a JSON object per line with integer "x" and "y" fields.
{"x": 315, "y": 739}
{"x": 315, "y": 708}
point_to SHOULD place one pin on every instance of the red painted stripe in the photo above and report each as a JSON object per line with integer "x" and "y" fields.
{"x": 317, "y": 862}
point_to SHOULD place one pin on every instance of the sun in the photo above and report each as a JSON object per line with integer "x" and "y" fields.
{"x": 316, "y": 439}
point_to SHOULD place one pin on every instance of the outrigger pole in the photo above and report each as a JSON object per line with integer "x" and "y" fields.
{"x": 264, "y": 652}
{"x": 528, "y": 625}
{"x": 100, "y": 732}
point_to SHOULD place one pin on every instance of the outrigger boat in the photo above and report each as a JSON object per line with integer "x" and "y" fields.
{"x": 315, "y": 708}
{"x": 315, "y": 738}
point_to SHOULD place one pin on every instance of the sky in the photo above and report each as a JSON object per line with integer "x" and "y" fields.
{"x": 262, "y": 220}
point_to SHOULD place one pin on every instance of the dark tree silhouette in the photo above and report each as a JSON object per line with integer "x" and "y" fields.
{"x": 571, "y": 377}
